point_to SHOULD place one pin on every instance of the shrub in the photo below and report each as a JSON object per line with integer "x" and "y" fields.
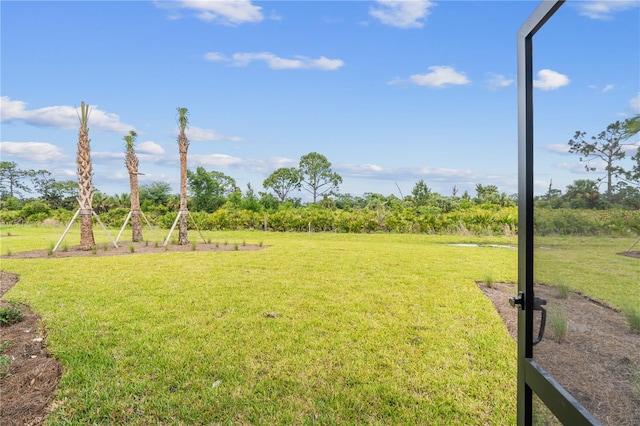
{"x": 559, "y": 323}
{"x": 633, "y": 317}
{"x": 10, "y": 314}
{"x": 563, "y": 291}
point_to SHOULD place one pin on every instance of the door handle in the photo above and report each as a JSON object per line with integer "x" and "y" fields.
{"x": 537, "y": 306}
{"x": 538, "y": 302}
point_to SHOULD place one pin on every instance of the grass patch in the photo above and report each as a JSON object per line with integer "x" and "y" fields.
{"x": 563, "y": 291}
{"x": 488, "y": 280}
{"x": 370, "y": 329}
{"x": 633, "y": 318}
{"x": 558, "y": 322}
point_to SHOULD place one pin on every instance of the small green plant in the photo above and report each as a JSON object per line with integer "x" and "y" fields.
{"x": 132, "y": 248}
{"x": 105, "y": 246}
{"x": 157, "y": 243}
{"x": 50, "y": 249}
{"x": 9, "y": 252}
{"x": 633, "y": 317}
{"x": 8, "y": 233}
{"x": 260, "y": 244}
{"x": 235, "y": 246}
{"x": 94, "y": 250}
{"x": 558, "y": 321}
{"x": 488, "y": 280}
{"x": 146, "y": 243}
{"x": 563, "y": 291}
{"x": 217, "y": 244}
{"x": 65, "y": 247}
{"x": 4, "y": 364}
{"x": 10, "y": 314}
{"x": 194, "y": 245}
{"x": 244, "y": 243}
{"x": 209, "y": 240}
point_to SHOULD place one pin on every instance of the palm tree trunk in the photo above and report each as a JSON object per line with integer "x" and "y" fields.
{"x": 136, "y": 222}
{"x": 182, "y": 232}
{"x": 85, "y": 186}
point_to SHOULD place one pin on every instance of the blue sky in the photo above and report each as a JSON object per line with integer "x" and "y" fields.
{"x": 389, "y": 92}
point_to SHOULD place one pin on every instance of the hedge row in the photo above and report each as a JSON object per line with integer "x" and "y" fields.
{"x": 481, "y": 220}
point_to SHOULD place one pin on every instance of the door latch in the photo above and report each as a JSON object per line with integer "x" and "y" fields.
{"x": 538, "y": 302}
{"x": 517, "y": 300}
{"x": 537, "y": 306}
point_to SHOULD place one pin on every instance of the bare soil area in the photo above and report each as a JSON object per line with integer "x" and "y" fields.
{"x": 29, "y": 381}
{"x": 599, "y": 360}
{"x": 128, "y": 248}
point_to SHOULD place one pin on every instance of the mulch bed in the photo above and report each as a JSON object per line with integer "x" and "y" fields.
{"x": 31, "y": 378}
{"x": 599, "y": 360}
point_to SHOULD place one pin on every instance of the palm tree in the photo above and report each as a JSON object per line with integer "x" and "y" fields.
{"x": 131, "y": 161}
{"x": 85, "y": 186}
{"x": 183, "y": 146}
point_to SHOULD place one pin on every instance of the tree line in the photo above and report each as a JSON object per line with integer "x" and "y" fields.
{"x": 29, "y": 194}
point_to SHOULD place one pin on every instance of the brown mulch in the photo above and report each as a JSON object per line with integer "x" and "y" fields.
{"x": 128, "y": 248}
{"x": 599, "y": 360}
{"x": 30, "y": 380}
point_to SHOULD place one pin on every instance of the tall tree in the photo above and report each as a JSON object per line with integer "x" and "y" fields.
{"x": 605, "y": 147}
{"x": 156, "y": 193}
{"x": 421, "y": 193}
{"x": 282, "y": 181}
{"x": 183, "y": 146}
{"x": 632, "y": 128}
{"x": 209, "y": 189}
{"x": 11, "y": 177}
{"x": 316, "y": 175}
{"x": 131, "y": 161}
{"x": 85, "y": 185}
{"x": 583, "y": 194}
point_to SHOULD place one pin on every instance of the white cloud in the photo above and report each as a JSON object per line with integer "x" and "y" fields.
{"x": 278, "y": 162}
{"x": 631, "y": 148}
{"x": 361, "y": 169}
{"x": 402, "y": 14}
{"x": 197, "y": 134}
{"x": 575, "y": 167}
{"x": 277, "y": 63}
{"x": 604, "y": 9}
{"x": 558, "y": 148}
{"x": 107, "y": 155}
{"x": 227, "y": 12}
{"x": 39, "y": 152}
{"x": 634, "y": 104}
{"x": 215, "y": 160}
{"x": 63, "y": 117}
{"x": 550, "y": 80}
{"x": 439, "y": 76}
{"x": 498, "y": 81}
{"x": 149, "y": 147}
{"x": 607, "y": 88}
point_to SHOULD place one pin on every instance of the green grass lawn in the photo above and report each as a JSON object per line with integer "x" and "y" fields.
{"x": 314, "y": 329}
{"x": 590, "y": 265}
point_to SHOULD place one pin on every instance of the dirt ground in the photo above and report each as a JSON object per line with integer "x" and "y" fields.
{"x": 31, "y": 378}
{"x": 598, "y": 362}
